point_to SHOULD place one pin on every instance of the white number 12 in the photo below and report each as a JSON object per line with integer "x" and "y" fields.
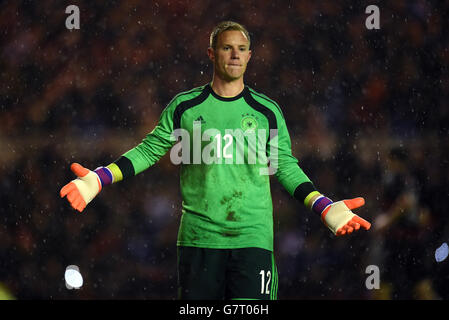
{"x": 263, "y": 284}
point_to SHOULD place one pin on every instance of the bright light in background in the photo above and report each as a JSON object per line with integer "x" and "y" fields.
{"x": 73, "y": 277}
{"x": 442, "y": 252}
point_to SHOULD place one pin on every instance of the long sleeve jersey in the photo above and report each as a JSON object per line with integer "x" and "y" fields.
{"x": 226, "y": 148}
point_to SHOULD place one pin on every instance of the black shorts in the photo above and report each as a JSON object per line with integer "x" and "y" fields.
{"x": 217, "y": 274}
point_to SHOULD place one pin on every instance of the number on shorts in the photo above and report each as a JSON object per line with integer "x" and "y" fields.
{"x": 265, "y": 286}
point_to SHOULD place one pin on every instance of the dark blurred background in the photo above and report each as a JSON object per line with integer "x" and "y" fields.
{"x": 367, "y": 111}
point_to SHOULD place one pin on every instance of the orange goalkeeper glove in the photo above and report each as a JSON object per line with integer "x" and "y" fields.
{"x": 86, "y": 186}
{"x": 338, "y": 217}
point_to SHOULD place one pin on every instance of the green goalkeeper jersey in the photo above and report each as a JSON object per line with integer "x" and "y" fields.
{"x": 227, "y": 148}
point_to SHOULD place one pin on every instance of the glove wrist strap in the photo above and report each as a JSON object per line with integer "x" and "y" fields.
{"x": 320, "y": 204}
{"x": 105, "y": 175}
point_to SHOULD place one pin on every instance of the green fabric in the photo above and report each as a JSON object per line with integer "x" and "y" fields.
{"x": 225, "y": 205}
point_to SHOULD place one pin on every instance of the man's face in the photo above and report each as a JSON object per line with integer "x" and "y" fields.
{"x": 231, "y": 55}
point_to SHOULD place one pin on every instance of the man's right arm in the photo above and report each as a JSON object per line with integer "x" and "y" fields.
{"x": 88, "y": 184}
{"x": 153, "y": 147}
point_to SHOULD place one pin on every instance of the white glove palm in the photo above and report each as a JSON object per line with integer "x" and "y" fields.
{"x": 339, "y": 218}
{"x": 83, "y": 189}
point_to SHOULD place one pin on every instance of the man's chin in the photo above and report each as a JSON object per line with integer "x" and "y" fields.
{"x": 233, "y": 77}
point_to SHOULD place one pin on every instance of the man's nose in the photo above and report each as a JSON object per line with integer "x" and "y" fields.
{"x": 235, "y": 54}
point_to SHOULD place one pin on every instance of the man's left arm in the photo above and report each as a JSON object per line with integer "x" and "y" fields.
{"x": 337, "y": 216}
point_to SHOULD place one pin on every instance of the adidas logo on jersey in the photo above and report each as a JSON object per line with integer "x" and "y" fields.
{"x": 200, "y": 120}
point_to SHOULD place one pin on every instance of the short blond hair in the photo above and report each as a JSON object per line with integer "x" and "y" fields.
{"x": 226, "y": 26}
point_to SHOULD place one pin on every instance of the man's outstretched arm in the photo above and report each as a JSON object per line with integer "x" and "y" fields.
{"x": 337, "y": 216}
{"x": 88, "y": 184}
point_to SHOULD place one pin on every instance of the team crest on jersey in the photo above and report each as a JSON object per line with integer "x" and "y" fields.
{"x": 249, "y": 122}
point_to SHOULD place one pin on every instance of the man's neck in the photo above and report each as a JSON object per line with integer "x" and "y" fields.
{"x": 227, "y": 89}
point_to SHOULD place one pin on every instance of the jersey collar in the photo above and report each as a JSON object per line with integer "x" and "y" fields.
{"x": 241, "y": 94}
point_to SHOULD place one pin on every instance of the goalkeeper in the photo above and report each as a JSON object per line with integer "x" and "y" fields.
{"x": 225, "y": 237}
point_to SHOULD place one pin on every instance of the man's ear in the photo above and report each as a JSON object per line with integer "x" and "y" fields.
{"x": 249, "y": 55}
{"x": 211, "y": 54}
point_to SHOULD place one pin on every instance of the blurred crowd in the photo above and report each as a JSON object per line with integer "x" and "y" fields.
{"x": 367, "y": 111}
